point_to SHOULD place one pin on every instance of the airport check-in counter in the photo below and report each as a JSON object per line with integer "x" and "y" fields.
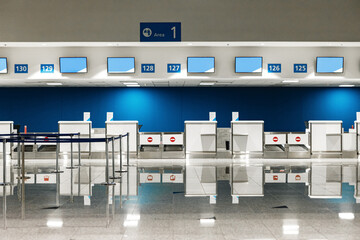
{"x": 82, "y": 127}
{"x": 116, "y": 128}
{"x": 326, "y": 181}
{"x": 200, "y": 137}
{"x": 246, "y": 181}
{"x": 247, "y": 137}
{"x": 6, "y": 127}
{"x": 298, "y": 145}
{"x": 275, "y": 145}
{"x": 326, "y": 138}
{"x": 149, "y": 145}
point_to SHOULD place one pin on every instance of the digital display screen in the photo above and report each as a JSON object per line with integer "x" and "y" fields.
{"x": 248, "y": 64}
{"x": 3, "y": 65}
{"x": 121, "y": 64}
{"x": 330, "y": 64}
{"x": 201, "y": 64}
{"x": 73, "y": 64}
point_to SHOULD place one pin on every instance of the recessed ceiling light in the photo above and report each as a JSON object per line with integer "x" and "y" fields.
{"x": 130, "y": 83}
{"x": 290, "y": 81}
{"x": 346, "y": 85}
{"x": 54, "y": 83}
{"x": 207, "y": 83}
{"x": 133, "y": 85}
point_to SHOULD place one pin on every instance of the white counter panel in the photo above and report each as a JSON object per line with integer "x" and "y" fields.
{"x": 200, "y": 136}
{"x": 349, "y": 141}
{"x": 173, "y": 139}
{"x": 115, "y": 128}
{"x": 150, "y": 177}
{"x": 172, "y": 178}
{"x": 247, "y": 181}
{"x": 301, "y": 138}
{"x": 275, "y": 177}
{"x": 298, "y": 177}
{"x": 275, "y": 139}
{"x": 150, "y": 139}
{"x": 82, "y": 127}
{"x": 6, "y": 127}
{"x": 247, "y": 136}
{"x": 325, "y": 136}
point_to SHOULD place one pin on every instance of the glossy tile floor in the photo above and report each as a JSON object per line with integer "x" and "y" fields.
{"x": 187, "y": 199}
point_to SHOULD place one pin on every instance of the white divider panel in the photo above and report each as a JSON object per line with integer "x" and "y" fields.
{"x": 298, "y": 177}
{"x": 275, "y": 139}
{"x": 150, "y": 177}
{"x": 150, "y": 139}
{"x": 173, "y": 139}
{"x": 325, "y": 136}
{"x": 6, "y": 127}
{"x": 349, "y": 141}
{"x": 116, "y": 128}
{"x": 200, "y": 181}
{"x": 46, "y": 178}
{"x": 300, "y": 138}
{"x": 172, "y": 178}
{"x": 247, "y": 136}
{"x": 275, "y": 177}
{"x": 247, "y": 181}
{"x": 82, "y": 127}
{"x": 325, "y": 181}
{"x": 200, "y": 136}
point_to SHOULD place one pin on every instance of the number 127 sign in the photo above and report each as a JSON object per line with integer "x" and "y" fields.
{"x": 160, "y": 32}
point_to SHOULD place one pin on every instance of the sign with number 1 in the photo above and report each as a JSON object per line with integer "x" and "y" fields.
{"x": 160, "y": 32}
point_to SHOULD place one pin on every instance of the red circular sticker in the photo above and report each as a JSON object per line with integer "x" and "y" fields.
{"x": 297, "y": 177}
{"x": 150, "y": 177}
{"x": 172, "y": 177}
{"x": 298, "y": 139}
{"x": 149, "y": 139}
{"x": 172, "y": 139}
{"x": 275, "y": 139}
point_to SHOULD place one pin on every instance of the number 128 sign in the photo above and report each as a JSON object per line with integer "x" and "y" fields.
{"x": 160, "y": 32}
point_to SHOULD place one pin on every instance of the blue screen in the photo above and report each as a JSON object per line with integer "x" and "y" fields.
{"x": 329, "y": 64}
{"x": 201, "y": 65}
{"x": 73, "y": 65}
{"x": 121, "y": 64}
{"x": 248, "y": 64}
{"x": 3, "y": 65}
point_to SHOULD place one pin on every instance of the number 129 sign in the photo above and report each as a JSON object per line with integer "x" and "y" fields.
{"x": 47, "y": 68}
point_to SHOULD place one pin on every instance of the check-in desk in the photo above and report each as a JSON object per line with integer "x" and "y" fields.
{"x": 247, "y": 137}
{"x": 275, "y": 145}
{"x": 173, "y": 145}
{"x": 149, "y": 145}
{"x": 116, "y": 128}
{"x": 326, "y": 138}
{"x": 200, "y": 137}
{"x": 298, "y": 145}
{"x": 82, "y": 127}
{"x": 326, "y": 181}
{"x": 247, "y": 181}
{"x": 349, "y": 144}
{"x": 6, "y": 127}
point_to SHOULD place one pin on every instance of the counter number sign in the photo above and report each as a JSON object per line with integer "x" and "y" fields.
{"x": 21, "y": 68}
{"x": 47, "y": 68}
{"x": 300, "y": 68}
{"x": 148, "y": 68}
{"x": 174, "y": 68}
{"x": 160, "y": 32}
{"x": 274, "y": 68}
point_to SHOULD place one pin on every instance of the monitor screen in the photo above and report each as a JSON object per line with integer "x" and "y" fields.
{"x": 3, "y": 65}
{"x": 248, "y": 64}
{"x": 330, "y": 64}
{"x": 201, "y": 64}
{"x": 121, "y": 64}
{"x": 73, "y": 64}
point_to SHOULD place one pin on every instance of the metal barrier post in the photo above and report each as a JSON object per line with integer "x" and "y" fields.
{"x": 72, "y": 173}
{"x": 120, "y": 152}
{"x": 79, "y": 164}
{"x": 4, "y": 183}
{"x": 128, "y": 165}
{"x": 57, "y": 173}
{"x": 23, "y": 180}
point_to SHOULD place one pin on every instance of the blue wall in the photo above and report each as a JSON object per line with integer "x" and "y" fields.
{"x": 166, "y": 109}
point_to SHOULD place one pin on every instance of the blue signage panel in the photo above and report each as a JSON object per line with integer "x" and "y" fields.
{"x": 330, "y": 64}
{"x": 148, "y": 68}
{"x": 274, "y": 68}
{"x": 3, "y": 65}
{"x": 47, "y": 68}
{"x": 248, "y": 64}
{"x": 160, "y": 32}
{"x": 300, "y": 68}
{"x": 121, "y": 64}
{"x": 174, "y": 68}
{"x": 21, "y": 68}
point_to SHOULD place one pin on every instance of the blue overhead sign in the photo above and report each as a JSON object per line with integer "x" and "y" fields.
{"x": 160, "y": 32}
{"x": 21, "y": 68}
{"x": 47, "y": 68}
{"x": 274, "y": 68}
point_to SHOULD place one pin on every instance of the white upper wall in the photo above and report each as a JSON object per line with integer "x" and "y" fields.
{"x": 224, "y": 65}
{"x": 202, "y": 20}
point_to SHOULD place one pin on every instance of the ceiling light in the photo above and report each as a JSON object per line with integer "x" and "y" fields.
{"x": 346, "y": 216}
{"x": 130, "y": 83}
{"x": 133, "y": 85}
{"x": 290, "y": 81}
{"x": 207, "y": 83}
{"x": 346, "y": 85}
{"x": 54, "y": 83}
